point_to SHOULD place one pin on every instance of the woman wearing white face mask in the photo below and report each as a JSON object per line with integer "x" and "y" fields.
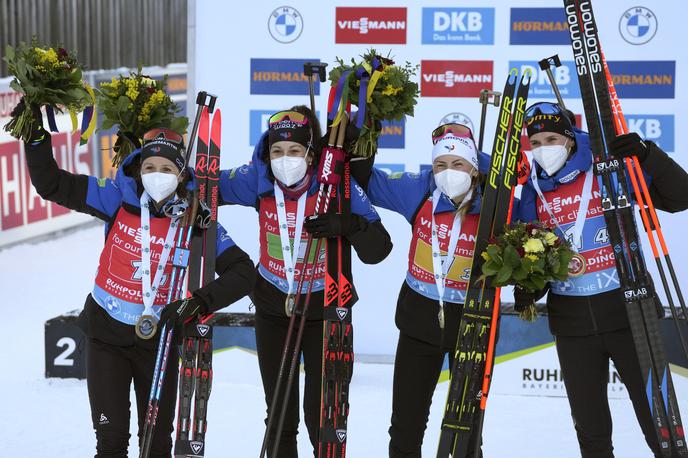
{"x": 132, "y": 206}
{"x": 442, "y": 205}
{"x": 280, "y": 183}
{"x": 586, "y": 313}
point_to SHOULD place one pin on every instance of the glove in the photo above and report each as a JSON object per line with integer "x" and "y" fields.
{"x": 523, "y": 299}
{"x": 627, "y": 145}
{"x": 329, "y": 225}
{"x": 176, "y": 313}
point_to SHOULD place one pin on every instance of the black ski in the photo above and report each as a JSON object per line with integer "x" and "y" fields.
{"x": 634, "y": 279}
{"x": 468, "y": 369}
{"x": 195, "y": 375}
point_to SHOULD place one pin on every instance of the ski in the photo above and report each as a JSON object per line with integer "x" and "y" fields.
{"x": 476, "y": 337}
{"x": 195, "y": 374}
{"x": 634, "y": 279}
{"x": 338, "y": 354}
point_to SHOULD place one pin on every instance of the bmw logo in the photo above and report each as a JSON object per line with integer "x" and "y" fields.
{"x": 638, "y": 25}
{"x": 458, "y": 118}
{"x": 285, "y": 24}
{"x": 112, "y": 305}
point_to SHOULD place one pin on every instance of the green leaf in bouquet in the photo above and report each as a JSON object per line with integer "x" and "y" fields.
{"x": 490, "y": 268}
{"x": 9, "y": 54}
{"x": 520, "y": 273}
{"x": 122, "y": 103}
{"x": 511, "y": 257}
{"x": 179, "y": 124}
{"x": 503, "y": 276}
{"x": 538, "y": 283}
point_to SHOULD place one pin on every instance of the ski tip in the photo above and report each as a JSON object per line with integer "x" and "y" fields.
{"x": 513, "y": 74}
{"x": 216, "y": 131}
{"x": 525, "y": 78}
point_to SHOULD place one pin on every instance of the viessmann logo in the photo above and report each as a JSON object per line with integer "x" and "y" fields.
{"x": 370, "y": 25}
{"x": 455, "y": 78}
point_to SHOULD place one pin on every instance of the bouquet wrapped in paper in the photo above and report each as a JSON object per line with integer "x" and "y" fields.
{"x": 136, "y": 104}
{"x": 382, "y": 91}
{"x": 51, "y": 77}
{"x": 527, "y": 256}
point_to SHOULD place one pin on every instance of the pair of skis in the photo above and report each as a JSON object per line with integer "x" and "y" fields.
{"x": 195, "y": 251}
{"x": 473, "y": 359}
{"x": 605, "y": 121}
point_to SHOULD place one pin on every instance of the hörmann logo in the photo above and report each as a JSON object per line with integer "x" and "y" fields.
{"x": 647, "y": 79}
{"x": 393, "y": 134}
{"x": 458, "y": 26}
{"x": 538, "y": 26}
{"x": 280, "y": 76}
{"x": 455, "y": 78}
{"x": 370, "y": 25}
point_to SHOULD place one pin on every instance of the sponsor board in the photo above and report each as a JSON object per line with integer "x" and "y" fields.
{"x": 280, "y": 76}
{"x": 455, "y": 78}
{"x": 370, "y": 25}
{"x": 644, "y": 79}
{"x": 538, "y": 26}
{"x": 458, "y": 26}
{"x": 540, "y": 87}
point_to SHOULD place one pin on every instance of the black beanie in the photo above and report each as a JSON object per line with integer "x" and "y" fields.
{"x": 556, "y": 122}
{"x": 162, "y": 147}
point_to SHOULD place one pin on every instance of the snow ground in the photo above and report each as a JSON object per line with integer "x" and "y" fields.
{"x": 50, "y": 417}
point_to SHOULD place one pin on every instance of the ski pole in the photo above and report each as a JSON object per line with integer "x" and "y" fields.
{"x": 637, "y": 177}
{"x": 491, "y": 98}
{"x": 203, "y": 99}
{"x": 308, "y": 70}
{"x": 546, "y": 65}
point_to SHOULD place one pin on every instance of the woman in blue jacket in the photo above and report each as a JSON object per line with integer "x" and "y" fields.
{"x": 132, "y": 277}
{"x": 442, "y": 206}
{"x": 280, "y": 183}
{"x": 586, "y": 313}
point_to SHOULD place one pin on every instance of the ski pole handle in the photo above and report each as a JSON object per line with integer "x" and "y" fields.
{"x": 308, "y": 70}
{"x": 491, "y": 98}
{"x": 203, "y": 99}
{"x": 546, "y": 65}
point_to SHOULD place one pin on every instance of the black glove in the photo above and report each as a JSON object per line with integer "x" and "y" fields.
{"x": 178, "y": 312}
{"x": 333, "y": 225}
{"x": 523, "y": 298}
{"x": 627, "y": 145}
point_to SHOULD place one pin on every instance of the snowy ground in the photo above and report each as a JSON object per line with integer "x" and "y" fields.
{"x": 45, "y": 418}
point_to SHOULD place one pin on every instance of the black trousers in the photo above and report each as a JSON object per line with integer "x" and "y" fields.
{"x": 417, "y": 368}
{"x": 585, "y": 366}
{"x": 271, "y": 332}
{"x": 110, "y": 370}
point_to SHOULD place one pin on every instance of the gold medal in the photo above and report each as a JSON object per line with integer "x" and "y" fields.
{"x": 146, "y": 326}
{"x": 289, "y": 305}
{"x": 577, "y": 265}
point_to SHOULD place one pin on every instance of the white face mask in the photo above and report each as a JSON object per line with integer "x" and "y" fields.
{"x": 453, "y": 183}
{"x": 288, "y": 169}
{"x": 159, "y": 185}
{"x": 551, "y": 157}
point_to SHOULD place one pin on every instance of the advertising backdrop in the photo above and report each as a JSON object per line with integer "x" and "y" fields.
{"x": 254, "y": 61}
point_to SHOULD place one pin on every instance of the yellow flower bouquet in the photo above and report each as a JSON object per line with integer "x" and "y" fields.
{"x": 136, "y": 103}
{"x": 528, "y": 256}
{"x": 51, "y": 77}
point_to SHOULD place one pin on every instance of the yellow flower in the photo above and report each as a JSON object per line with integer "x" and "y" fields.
{"x": 156, "y": 99}
{"x": 485, "y": 256}
{"x": 551, "y": 238}
{"x": 533, "y": 246}
{"x": 132, "y": 89}
{"x": 148, "y": 82}
{"x": 391, "y": 90}
{"x": 47, "y": 58}
{"x": 532, "y": 257}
